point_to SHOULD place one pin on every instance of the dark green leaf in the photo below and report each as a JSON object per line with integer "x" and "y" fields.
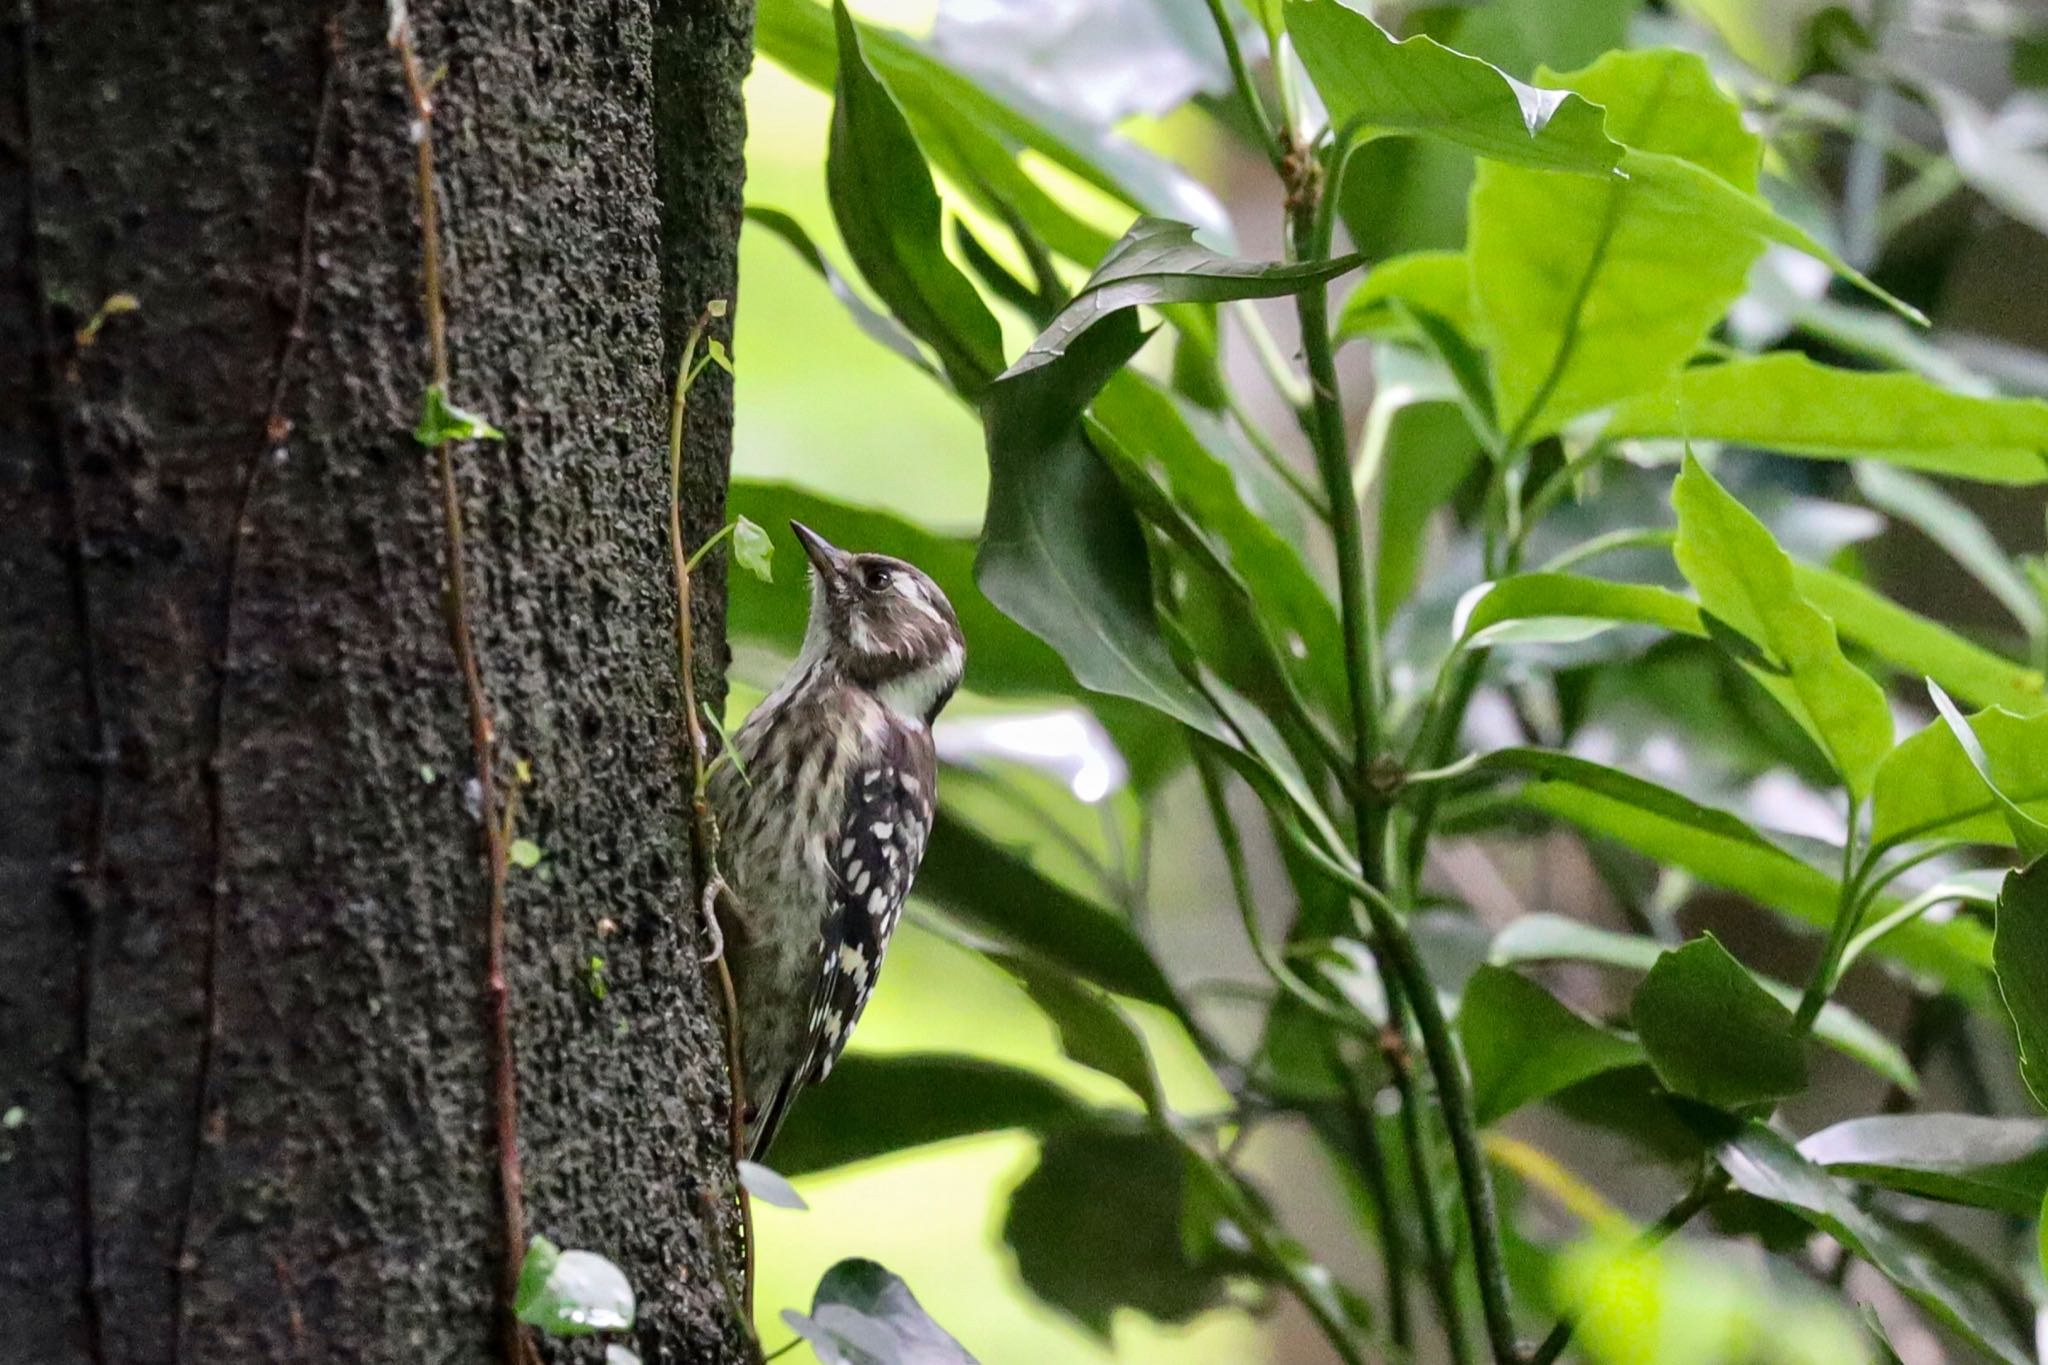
{"x": 1714, "y": 1034}
{"x": 880, "y": 326}
{"x": 863, "y": 1315}
{"x": 1376, "y": 87}
{"x": 1992, "y": 1163}
{"x": 2021, "y": 953}
{"x": 873, "y": 1105}
{"x": 1159, "y": 262}
{"x": 1745, "y": 579}
{"x": 1766, "y": 1165}
{"x": 441, "y": 421}
{"x": 1790, "y": 404}
{"x": 1097, "y": 1227}
{"x": 1092, "y": 1029}
{"x": 572, "y": 1293}
{"x": 1522, "y": 1045}
{"x": 889, "y": 216}
{"x": 1001, "y": 895}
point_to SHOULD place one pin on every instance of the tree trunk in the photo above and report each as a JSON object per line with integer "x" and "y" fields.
{"x": 243, "y": 1059}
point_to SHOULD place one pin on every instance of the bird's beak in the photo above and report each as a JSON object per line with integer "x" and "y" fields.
{"x": 828, "y": 559}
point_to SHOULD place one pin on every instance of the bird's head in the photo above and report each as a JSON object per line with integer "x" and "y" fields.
{"x": 883, "y": 625}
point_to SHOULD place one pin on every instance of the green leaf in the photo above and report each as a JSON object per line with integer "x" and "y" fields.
{"x": 1743, "y": 578}
{"x": 2029, "y": 835}
{"x": 1547, "y": 938}
{"x": 441, "y": 421}
{"x": 1789, "y": 404}
{"x": 1766, "y": 1165}
{"x": 1097, "y": 1226}
{"x": 1713, "y": 1033}
{"x": 975, "y": 135}
{"x": 1159, "y": 262}
{"x": 1589, "y": 290}
{"x": 999, "y": 894}
{"x": 754, "y": 551}
{"x": 1718, "y": 848}
{"x": 2020, "y": 952}
{"x": 1004, "y": 660}
{"x": 1956, "y": 529}
{"x": 572, "y": 1293}
{"x": 1929, "y": 788}
{"x": 770, "y": 1187}
{"x": 864, "y": 1315}
{"x": 877, "y": 325}
{"x": 1990, "y": 1163}
{"x": 1522, "y": 1045}
{"x": 1435, "y": 282}
{"x": 1917, "y": 646}
{"x": 1505, "y": 610}
{"x": 1428, "y": 452}
{"x": 1093, "y": 1030}
{"x": 1377, "y": 87}
{"x": 524, "y": 854}
{"x": 889, "y": 217}
{"x": 875, "y": 1105}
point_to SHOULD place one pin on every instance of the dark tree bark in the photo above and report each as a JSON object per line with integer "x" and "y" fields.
{"x": 242, "y": 1043}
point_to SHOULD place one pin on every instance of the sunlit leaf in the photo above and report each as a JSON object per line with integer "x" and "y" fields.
{"x": 572, "y": 1293}
{"x": 1929, "y": 787}
{"x": 1744, "y": 579}
{"x": 441, "y": 421}
{"x": 1793, "y": 405}
{"x": 1438, "y": 282}
{"x": 2029, "y": 835}
{"x": 1993, "y": 1163}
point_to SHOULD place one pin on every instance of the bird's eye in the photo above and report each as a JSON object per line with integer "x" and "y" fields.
{"x": 877, "y": 578}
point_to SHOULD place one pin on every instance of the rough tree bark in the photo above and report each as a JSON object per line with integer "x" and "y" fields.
{"x": 242, "y": 1061}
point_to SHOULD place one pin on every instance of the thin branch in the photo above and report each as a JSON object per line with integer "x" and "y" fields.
{"x": 516, "y": 1343}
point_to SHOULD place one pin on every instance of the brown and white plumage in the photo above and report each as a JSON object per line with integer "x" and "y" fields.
{"x": 825, "y": 817}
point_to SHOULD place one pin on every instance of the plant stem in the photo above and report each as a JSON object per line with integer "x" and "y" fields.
{"x": 1275, "y": 144}
{"x": 1372, "y": 1165}
{"x": 516, "y": 1344}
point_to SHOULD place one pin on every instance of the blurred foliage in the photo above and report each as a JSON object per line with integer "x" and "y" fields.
{"x": 1538, "y": 616}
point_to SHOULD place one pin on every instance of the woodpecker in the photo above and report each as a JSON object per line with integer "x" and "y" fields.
{"x": 825, "y": 815}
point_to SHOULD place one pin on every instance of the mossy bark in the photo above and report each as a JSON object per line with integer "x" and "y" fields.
{"x": 242, "y": 1043}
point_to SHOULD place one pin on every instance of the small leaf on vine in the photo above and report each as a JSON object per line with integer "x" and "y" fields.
{"x": 715, "y": 349}
{"x": 769, "y": 1187}
{"x": 525, "y": 853}
{"x": 572, "y": 1293}
{"x": 441, "y": 421}
{"x": 595, "y": 979}
{"x": 715, "y": 308}
{"x": 752, "y": 548}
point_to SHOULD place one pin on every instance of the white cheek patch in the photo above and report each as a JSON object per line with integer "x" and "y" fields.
{"x": 912, "y": 592}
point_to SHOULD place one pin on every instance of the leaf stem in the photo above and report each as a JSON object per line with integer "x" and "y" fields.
{"x": 1275, "y": 143}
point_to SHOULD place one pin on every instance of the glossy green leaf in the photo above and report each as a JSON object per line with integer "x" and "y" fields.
{"x": 1489, "y": 612}
{"x": 2029, "y": 835}
{"x": 1000, "y": 895}
{"x": 2020, "y": 952}
{"x": 1992, "y": 1163}
{"x": 877, "y": 325}
{"x": 1792, "y": 405}
{"x": 441, "y": 422}
{"x": 975, "y": 136}
{"x": 864, "y": 1315}
{"x": 1437, "y": 282}
{"x": 1917, "y": 646}
{"x": 1097, "y": 1226}
{"x": 1766, "y": 1165}
{"x": 1712, "y": 1033}
{"x": 572, "y": 1293}
{"x": 1745, "y": 580}
{"x": 1720, "y": 849}
{"x": 889, "y": 217}
{"x": 877, "y": 1104}
{"x": 1589, "y": 290}
{"x": 1377, "y": 87}
{"x": 1522, "y": 1045}
{"x": 1003, "y": 659}
{"x": 1549, "y": 938}
{"x": 1930, "y": 788}
{"x": 1159, "y": 262}
{"x": 1958, "y": 531}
